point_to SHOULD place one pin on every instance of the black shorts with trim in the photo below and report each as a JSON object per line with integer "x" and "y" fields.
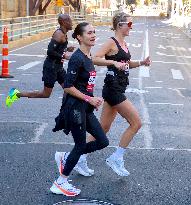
{"x": 52, "y": 72}
{"x": 113, "y": 97}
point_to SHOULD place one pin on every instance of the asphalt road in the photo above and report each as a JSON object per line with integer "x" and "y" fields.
{"x": 159, "y": 157}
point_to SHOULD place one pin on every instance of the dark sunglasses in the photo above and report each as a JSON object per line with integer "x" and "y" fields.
{"x": 129, "y": 24}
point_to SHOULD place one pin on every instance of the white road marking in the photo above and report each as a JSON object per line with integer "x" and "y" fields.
{"x": 39, "y": 132}
{"x": 177, "y": 88}
{"x": 164, "y": 54}
{"x": 177, "y": 75}
{"x": 136, "y": 45}
{"x": 9, "y": 62}
{"x": 1, "y": 94}
{"x": 135, "y": 90}
{"x": 28, "y": 45}
{"x": 178, "y": 91}
{"x": 158, "y": 81}
{"x": 144, "y": 72}
{"x": 145, "y": 129}
{"x": 171, "y": 62}
{"x": 14, "y": 80}
{"x": 165, "y": 104}
{"x": 29, "y": 65}
{"x": 3, "y": 79}
{"x": 153, "y": 87}
{"x": 110, "y": 146}
{"x": 26, "y": 74}
{"x": 28, "y": 55}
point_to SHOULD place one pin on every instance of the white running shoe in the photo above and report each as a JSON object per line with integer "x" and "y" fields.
{"x": 64, "y": 188}
{"x": 60, "y": 158}
{"x": 117, "y": 165}
{"x": 83, "y": 169}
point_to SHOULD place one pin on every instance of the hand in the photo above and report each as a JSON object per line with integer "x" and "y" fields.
{"x": 96, "y": 101}
{"x": 120, "y": 66}
{"x": 147, "y": 61}
{"x": 71, "y": 48}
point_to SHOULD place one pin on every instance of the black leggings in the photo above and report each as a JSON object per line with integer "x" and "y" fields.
{"x": 92, "y": 126}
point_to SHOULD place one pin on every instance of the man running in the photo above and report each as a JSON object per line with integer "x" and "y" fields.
{"x": 53, "y": 65}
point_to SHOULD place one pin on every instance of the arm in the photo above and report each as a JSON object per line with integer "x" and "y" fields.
{"x": 98, "y": 58}
{"x": 135, "y": 64}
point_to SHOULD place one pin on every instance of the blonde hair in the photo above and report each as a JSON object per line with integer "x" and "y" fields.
{"x": 119, "y": 17}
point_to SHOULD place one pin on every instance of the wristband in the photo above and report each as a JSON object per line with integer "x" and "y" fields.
{"x": 87, "y": 98}
{"x": 139, "y": 63}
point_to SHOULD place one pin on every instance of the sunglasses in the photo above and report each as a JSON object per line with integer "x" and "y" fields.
{"x": 129, "y": 24}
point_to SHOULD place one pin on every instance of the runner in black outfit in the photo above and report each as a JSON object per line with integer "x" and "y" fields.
{"x": 53, "y": 65}
{"x": 77, "y": 110}
{"x": 114, "y": 88}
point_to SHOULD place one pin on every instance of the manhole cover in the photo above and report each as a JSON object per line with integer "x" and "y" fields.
{"x": 83, "y": 202}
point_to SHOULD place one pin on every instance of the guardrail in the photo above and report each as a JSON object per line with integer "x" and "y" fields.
{"x": 30, "y": 25}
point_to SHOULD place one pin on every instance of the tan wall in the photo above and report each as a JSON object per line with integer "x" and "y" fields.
{"x": 17, "y": 8}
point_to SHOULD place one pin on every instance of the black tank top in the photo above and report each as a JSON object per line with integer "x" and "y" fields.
{"x": 115, "y": 79}
{"x": 59, "y": 47}
{"x": 62, "y": 46}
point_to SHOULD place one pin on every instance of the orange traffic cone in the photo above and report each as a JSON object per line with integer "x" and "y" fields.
{"x": 5, "y": 53}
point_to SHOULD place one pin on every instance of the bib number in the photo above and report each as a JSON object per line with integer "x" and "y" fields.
{"x": 91, "y": 81}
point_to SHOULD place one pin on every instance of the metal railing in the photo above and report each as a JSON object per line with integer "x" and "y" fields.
{"x": 30, "y": 25}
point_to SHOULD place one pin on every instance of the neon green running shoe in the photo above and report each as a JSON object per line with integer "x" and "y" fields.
{"x": 12, "y": 97}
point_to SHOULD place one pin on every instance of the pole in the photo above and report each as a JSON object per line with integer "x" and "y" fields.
{"x": 27, "y": 7}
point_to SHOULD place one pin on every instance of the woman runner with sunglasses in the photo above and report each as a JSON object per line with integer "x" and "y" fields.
{"x": 115, "y": 84}
{"x": 76, "y": 113}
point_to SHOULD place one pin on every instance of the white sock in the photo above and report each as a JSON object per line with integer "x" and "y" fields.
{"x": 120, "y": 151}
{"x": 61, "y": 179}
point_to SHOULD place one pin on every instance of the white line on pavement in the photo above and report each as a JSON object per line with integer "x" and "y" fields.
{"x": 14, "y": 80}
{"x": 39, "y": 132}
{"x": 110, "y": 146}
{"x": 164, "y": 54}
{"x": 135, "y": 90}
{"x": 144, "y": 72}
{"x": 28, "y": 55}
{"x": 29, "y": 65}
{"x": 153, "y": 87}
{"x": 177, "y": 88}
{"x": 171, "y": 62}
{"x": 145, "y": 129}
{"x": 9, "y": 62}
{"x": 29, "y": 45}
{"x": 177, "y": 75}
{"x": 165, "y": 104}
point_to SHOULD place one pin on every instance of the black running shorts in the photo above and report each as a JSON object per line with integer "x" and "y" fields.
{"x": 113, "y": 97}
{"x": 52, "y": 72}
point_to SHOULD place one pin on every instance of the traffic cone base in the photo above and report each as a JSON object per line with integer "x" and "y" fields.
{"x": 6, "y": 76}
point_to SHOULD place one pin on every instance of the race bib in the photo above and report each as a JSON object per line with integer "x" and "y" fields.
{"x": 91, "y": 81}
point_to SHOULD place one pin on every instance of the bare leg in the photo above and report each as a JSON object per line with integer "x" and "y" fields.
{"x": 129, "y": 112}
{"x": 45, "y": 93}
{"x": 107, "y": 117}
